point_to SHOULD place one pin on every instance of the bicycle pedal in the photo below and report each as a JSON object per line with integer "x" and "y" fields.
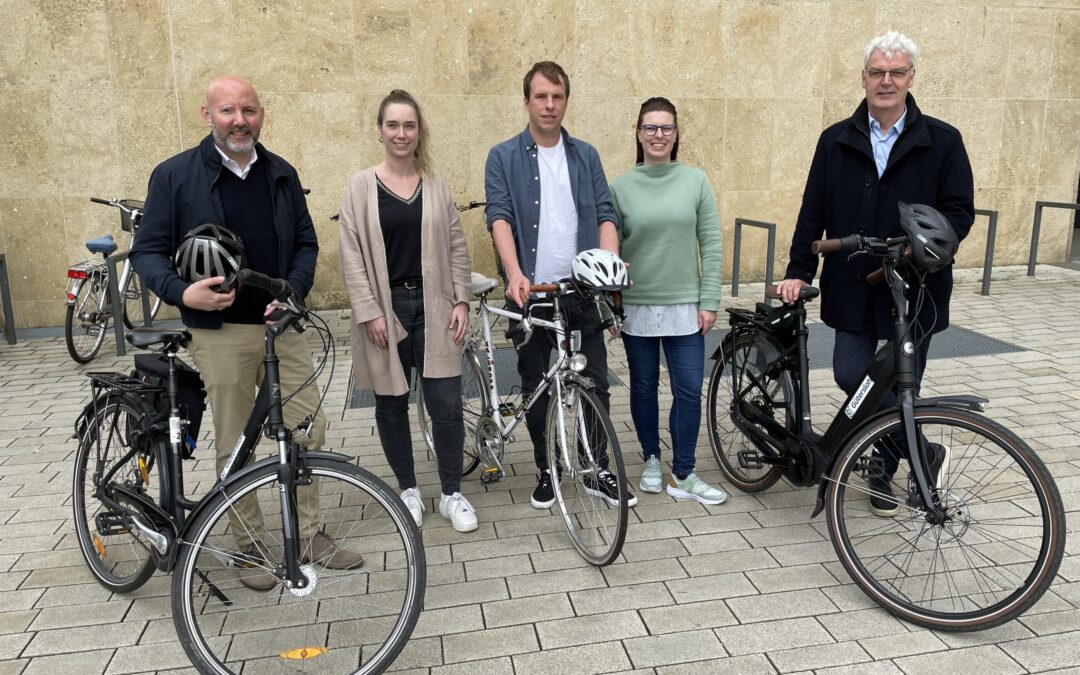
{"x": 490, "y": 475}
{"x": 750, "y": 460}
{"x": 110, "y": 523}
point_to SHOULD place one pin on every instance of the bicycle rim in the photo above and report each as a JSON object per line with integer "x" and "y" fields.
{"x": 350, "y": 621}
{"x": 993, "y": 558}
{"x": 86, "y": 321}
{"x": 116, "y": 559}
{"x": 595, "y": 522}
{"x": 133, "y": 307}
{"x": 743, "y": 370}
{"x": 474, "y": 406}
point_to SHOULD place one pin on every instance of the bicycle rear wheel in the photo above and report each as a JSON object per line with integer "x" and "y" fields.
{"x": 345, "y": 621}
{"x": 114, "y": 453}
{"x": 87, "y": 319}
{"x": 474, "y": 405}
{"x": 998, "y": 550}
{"x": 592, "y": 492}
{"x": 133, "y": 307}
{"x": 747, "y": 378}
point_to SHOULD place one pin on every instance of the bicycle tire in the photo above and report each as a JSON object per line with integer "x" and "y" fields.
{"x": 596, "y": 526}
{"x": 748, "y": 355}
{"x": 350, "y": 621}
{"x": 133, "y": 311}
{"x": 84, "y": 326}
{"x": 991, "y": 537}
{"x": 474, "y": 405}
{"x": 118, "y": 561}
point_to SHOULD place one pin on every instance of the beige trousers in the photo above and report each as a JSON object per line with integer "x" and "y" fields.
{"x": 230, "y": 361}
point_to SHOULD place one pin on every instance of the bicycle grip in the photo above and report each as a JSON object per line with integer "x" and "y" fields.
{"x": 279, "y": 288}
{"x": 876, "y": 277}
{"x": 99, "y": 200}
{"x": 852, "y": 242}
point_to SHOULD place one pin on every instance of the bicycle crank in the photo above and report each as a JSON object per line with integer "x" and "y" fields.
{"x": 489, "y": 447}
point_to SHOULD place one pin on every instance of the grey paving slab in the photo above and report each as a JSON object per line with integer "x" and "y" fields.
{"x": 661, "y": 650}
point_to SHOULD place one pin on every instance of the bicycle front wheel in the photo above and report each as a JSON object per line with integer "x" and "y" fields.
{"x": 133, "y": 307}
{"x": 748, "y": 379}
{"x": 474, "y": 405}
{"x": 116, "y": 457}
{"x": 997, "y": 551}
{"x": 590, "y": 487}
{"x": 345, "y": 620}
{"x": 87, "y": 319}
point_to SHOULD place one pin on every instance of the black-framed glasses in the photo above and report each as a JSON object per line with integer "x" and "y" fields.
{"x": 651, "y": 129}
{"x": 896, "y": 73}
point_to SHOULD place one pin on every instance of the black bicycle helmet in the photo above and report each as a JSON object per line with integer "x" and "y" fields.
{"x": 210, "y": 251}
{"x": 933, "y": 240}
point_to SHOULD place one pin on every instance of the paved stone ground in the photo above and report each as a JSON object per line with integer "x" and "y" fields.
{"x": 749, "y": 586}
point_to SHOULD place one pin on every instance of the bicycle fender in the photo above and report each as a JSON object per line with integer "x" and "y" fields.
{"x": 962, "y": 401}
{"x": 251, "y": 468}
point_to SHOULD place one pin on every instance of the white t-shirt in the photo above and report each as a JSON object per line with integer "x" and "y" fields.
{"x": 556, "y": 245}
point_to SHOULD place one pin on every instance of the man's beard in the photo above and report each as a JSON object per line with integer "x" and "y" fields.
{"x": 241, "y": 148}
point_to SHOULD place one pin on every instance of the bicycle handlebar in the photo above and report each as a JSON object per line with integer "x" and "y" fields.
{"x": 279, "y": 288}
{"x": 852, "y": 242}
{"x": 99, "y": 200}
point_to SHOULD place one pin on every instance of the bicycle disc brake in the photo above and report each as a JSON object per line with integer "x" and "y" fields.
{"x": 489, "y": 447}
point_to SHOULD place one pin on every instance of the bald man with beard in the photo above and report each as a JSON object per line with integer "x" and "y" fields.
{"x": 230, "y": 179}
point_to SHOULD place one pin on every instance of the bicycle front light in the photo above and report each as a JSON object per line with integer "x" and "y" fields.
{"x": 577, "y": 362}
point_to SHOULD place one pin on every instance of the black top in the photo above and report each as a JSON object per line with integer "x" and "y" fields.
{"x": 249, "y": 213}
{"x": 399, "y": 219}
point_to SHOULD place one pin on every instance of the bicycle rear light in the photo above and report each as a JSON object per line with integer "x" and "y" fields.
{"x": 75, "y": 273}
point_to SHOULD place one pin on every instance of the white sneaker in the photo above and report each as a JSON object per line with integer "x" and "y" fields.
{"x": 458, "y": 511}
{"x": 415, "y": 503}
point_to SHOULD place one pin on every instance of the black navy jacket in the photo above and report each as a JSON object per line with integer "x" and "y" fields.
{"x": 183, "y": 194}
{"x": 927, "y": 165}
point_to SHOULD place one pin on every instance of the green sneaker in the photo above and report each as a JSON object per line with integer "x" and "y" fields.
{"x": 695, "y": 488}
{"x": 651, "y": 478}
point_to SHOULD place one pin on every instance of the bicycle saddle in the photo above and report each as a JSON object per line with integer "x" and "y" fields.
{"x": 481, "y": 284}
{"x": 103, "y": 244}
{"x": 170, "y": 340}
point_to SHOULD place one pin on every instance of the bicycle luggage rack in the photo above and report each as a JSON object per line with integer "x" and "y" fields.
{"x": 8, "y": 327}
{"x": 771, "y": 228}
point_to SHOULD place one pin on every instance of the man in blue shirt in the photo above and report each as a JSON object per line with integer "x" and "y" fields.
{"x": 548, "y": 200}
{"x": 888, "y": 151}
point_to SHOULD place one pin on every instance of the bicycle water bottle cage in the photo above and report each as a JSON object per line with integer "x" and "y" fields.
{"x": 103, "y": 244}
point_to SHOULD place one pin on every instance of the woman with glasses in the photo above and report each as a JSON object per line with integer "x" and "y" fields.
{"x": 406, "y": 268}
{"x": 670, "y": 229}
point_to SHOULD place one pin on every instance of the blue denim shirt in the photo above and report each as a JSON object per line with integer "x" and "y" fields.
{"x": 512, "y": 184}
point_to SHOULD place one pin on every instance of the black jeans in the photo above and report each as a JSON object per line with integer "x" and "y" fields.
{"x": 442, "y": 396}
{"x": 534, "y": 356}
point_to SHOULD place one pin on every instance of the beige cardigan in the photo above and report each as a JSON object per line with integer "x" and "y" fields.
{"x": 445, "y": 261}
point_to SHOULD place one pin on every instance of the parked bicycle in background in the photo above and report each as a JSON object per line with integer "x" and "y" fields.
{"x": 90, "y": 313}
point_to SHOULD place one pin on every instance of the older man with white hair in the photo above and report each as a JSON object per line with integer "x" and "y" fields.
{"x": 888, "y": 151}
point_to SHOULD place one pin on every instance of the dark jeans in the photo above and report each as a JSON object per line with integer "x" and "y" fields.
{"x": 442, "y": 396}
{"x": 685, "y": 355}
{"x": 852, "y": 354}
{"x": 533, "y": 360}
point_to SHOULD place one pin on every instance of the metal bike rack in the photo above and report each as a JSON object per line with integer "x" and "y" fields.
{"x": 1037, "y": 224}
{"x": 8, "y": 327}
{"x": 771, "y": 228}
{"x": 114, "y": 300}
{"x": 988, "y": 257}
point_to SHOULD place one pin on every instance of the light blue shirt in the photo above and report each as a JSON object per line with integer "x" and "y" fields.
{"x": 883, "y": 143}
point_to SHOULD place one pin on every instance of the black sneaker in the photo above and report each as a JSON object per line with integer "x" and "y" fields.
{"x": 606, "y": 487}
{"x": 543, "y": 497}
{"x": 882, "y": 501}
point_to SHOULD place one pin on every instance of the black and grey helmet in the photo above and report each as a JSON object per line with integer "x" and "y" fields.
{"x": 933, "y": 239}
{"x": 210, "y": 251}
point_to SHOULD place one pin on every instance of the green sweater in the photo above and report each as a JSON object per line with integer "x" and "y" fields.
{"x": 668, "y": 223}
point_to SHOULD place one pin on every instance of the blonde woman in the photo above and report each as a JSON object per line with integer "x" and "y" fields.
{"x": 406, "y": 268}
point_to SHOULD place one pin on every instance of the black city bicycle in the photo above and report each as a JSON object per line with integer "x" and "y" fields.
{"x": 977, "y": 529}
{"x": 89, "y": 310}
{"x": 132, "y": 517}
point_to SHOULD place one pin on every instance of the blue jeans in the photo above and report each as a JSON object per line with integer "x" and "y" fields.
{"x": 852, "y": 354}
{"x": 442, "y": 396}
{"x": 685, "y": 356}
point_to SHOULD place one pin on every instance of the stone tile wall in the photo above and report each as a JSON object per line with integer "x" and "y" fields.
{"x": 94, "y": 93}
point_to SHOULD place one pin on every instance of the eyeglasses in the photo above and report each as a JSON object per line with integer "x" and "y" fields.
{"x": 651, "y": 129}
{"x": 896, "y": 74}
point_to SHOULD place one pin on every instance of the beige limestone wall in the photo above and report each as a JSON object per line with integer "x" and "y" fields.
{"x": 93, "y": 93}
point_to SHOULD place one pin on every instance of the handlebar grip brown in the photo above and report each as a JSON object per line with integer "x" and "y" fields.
{"x": 826, "y": 246}
{"x": 537, "y": 288}
{"x": 773, "y": 293}
{"x": 876, "y": 277}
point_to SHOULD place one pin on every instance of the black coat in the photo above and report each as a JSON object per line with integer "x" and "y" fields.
{"x": 183, "y": 194}
{"x": 927, "y": 165}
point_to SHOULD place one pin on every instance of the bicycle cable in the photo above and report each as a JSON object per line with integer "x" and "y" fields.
{"x": 329, "y": 354}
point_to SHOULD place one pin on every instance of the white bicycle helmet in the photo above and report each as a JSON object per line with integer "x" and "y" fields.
{"x": 210, "y": 251}
{"x": 600, "y": 269}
